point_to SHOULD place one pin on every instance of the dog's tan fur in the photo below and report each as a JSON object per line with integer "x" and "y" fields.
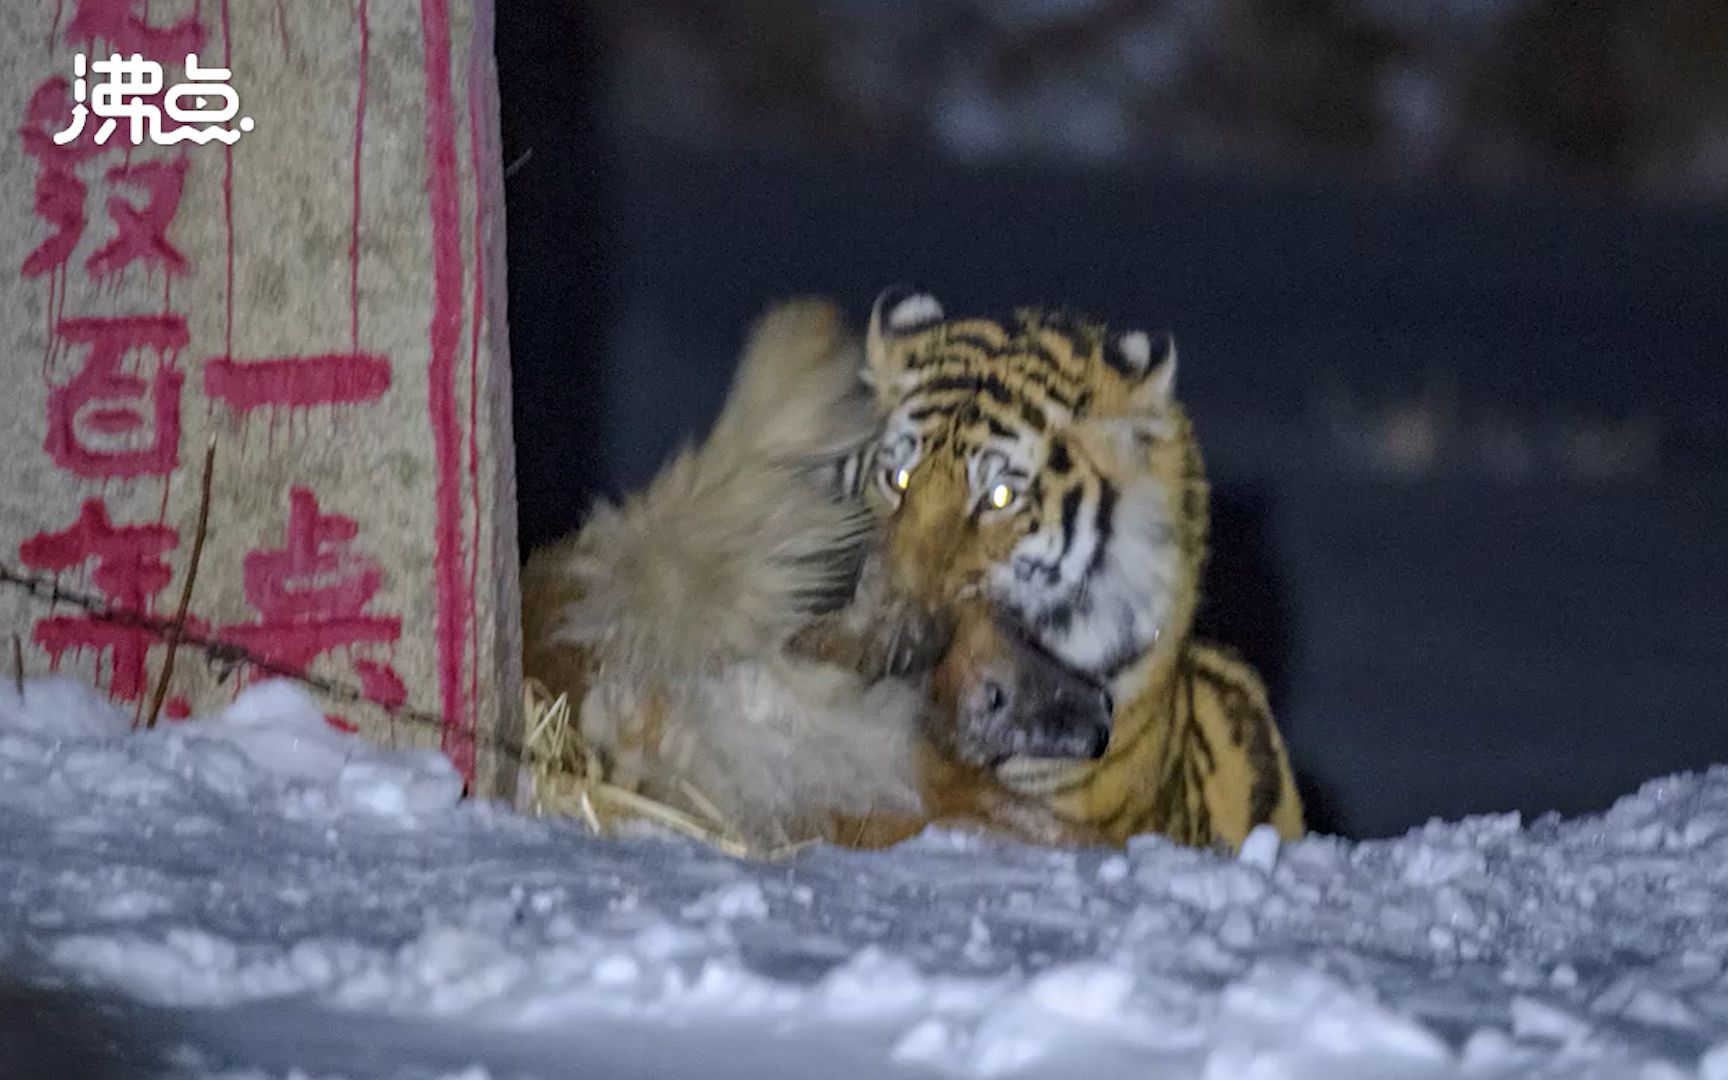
{"x": 666, "y": 618}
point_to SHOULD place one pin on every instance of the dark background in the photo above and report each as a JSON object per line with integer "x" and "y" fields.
{"x": 1450, "y": 280}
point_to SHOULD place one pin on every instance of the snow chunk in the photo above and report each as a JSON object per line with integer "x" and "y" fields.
{"x": 61, "y": 708}
{"x": 258, "y": 855}
{"x": 738, "y": 900}
{"x": 1260, "y": 848}
{"x": 1714, "y": 1064}
{"x": 1533, "y": 1019}
{"x": 282, "y": 731}
{"x": 1299, "y": 1023}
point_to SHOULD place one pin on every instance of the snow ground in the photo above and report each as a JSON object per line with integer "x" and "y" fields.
{"x": 255, "y": 895}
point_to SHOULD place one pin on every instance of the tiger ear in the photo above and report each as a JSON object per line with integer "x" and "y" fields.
{"x": 1148, "y": 362}
{"x": 899, "y": 312}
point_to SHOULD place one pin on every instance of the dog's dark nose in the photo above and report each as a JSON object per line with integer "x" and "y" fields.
{"x": 1098, "y": 738}
{"x": 993, "y": 699}
{"x": 1086, "y": 699}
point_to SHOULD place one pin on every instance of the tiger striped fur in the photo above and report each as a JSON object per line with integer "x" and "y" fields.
{"x": 1044, "y": 465}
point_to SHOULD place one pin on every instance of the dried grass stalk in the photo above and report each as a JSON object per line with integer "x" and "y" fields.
{"x": 569, "y": 778}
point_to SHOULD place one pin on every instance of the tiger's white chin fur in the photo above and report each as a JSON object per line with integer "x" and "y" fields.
{"x": 1119, "y": 609}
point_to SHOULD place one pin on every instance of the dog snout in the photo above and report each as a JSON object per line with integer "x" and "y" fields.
{"x": 992, "y": 701}
{"x": 1083, "y": 698}
{"x": 1096, "y": 736}
{"x": 1074, "y": 729}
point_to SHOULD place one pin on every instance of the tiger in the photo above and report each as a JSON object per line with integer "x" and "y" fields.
{"x": 664, "y": 621}
{"x": 1043, "y": 465}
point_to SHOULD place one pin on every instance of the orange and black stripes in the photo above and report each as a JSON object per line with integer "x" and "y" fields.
{"x": 1098, "y": 550}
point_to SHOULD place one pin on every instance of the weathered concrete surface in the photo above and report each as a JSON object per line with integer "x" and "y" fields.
{"x": 324, "y": 298}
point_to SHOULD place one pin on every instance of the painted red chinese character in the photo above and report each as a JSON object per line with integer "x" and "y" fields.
{"x": 106, "y": 422}
{"x": 141, "y": 232}
{"x": 312, "y": 595}
{"x": 296, "y": 382}
{"x": 60, "y": 195}
{"x": 130, "y": 572}
{"x": 123, "y": 26}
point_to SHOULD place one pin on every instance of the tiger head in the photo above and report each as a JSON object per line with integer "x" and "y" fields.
{"x": 1040, "y": 463}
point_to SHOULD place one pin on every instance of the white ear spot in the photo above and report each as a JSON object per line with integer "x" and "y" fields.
{"x": 1136, "y": 353}
{"x": 1136, "y": 348}
{"x": 1164, "y": 379}
{"x": 902, "y": 311}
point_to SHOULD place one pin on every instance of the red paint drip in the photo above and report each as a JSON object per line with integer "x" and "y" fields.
{"x": 48, "y": 329}
{"x": 444, "y": 334}
{"x": 296, "y": 382}
{"x": 354, "y": 225}
{"x": 178, "y": 708}
{"x": 341, "y": 723}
